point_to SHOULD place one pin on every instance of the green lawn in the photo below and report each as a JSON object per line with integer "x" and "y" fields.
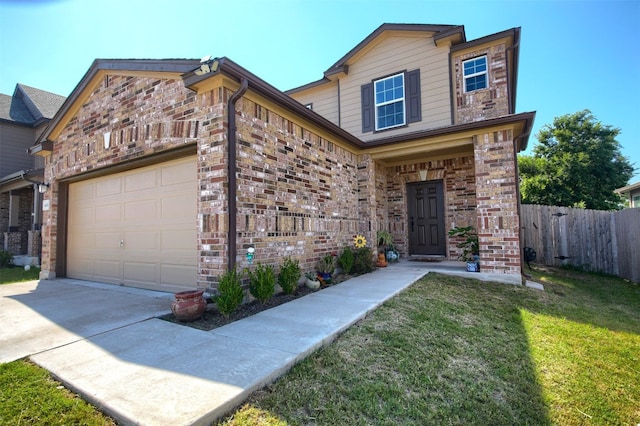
{"x": 456, "y": 351}
{"x": 14, "y": 274}
{"x": 29, "y": 396}
{"x": 446, "y": 351}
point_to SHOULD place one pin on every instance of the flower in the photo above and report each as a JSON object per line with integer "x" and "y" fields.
{"x": 359, "y": 241}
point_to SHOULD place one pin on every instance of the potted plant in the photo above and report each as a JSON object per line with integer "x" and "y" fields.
{"x": 469, "y": 245}
{"x": 326, "y": 266}
{"x": 312, "y": 281}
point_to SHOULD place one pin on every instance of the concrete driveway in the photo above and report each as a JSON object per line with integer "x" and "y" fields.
{"x": 37, "y": 316}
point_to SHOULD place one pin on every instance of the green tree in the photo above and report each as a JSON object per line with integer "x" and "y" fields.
{"x": 577, "y": 163}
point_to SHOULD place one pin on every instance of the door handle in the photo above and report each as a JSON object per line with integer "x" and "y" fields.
{"x": 121, "y": 243}
{"x": 412, "y": 224}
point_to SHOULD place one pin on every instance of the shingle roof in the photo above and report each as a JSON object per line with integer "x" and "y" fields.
{"x": 45, "y": 103}
{"x": 29, "y": 105}
{"x": 13, "y": 109}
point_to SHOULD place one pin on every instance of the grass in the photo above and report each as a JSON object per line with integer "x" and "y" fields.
{"x": 446, "y": 351}
{"x": 29, "y": 396}
{"x": 14, "y": 274}
{"x": 456, "y": 351}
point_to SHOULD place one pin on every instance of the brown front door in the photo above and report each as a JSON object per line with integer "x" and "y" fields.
{"x": 426, "y": 218}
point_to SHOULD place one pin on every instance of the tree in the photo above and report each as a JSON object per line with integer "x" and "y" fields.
{"x": 577, "y": 163}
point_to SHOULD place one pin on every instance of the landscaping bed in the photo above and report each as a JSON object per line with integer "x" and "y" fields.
{"x": 212, "y": 319}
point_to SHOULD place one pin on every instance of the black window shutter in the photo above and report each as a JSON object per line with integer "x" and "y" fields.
{"x": 367, "y": 107}
{"x": 413, "y": 98}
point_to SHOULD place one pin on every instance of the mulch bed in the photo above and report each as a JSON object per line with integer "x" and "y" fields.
{"x": 212, "y": 319}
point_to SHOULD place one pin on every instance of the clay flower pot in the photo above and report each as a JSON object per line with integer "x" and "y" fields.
{"x": 189, "y": 305}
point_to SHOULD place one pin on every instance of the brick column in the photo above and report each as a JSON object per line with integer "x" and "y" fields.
{"x": 497, "y": 208}
{"x": 368, "y": 225}
{"x": 34, "y": 243}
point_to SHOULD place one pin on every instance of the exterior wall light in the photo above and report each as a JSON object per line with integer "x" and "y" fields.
{"x": 42, "y": 187}
{"x": 250, "y": 252}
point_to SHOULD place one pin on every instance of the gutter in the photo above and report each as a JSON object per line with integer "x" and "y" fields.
{"x": 232, "y": 169}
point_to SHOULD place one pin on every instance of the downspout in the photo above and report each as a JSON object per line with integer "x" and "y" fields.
{"x": 232, "y": 170}
{"x": 518, "y": 203}
{"x": 510, "y": 98}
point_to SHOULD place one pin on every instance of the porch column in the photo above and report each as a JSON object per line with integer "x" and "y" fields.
{"x": 368, "y": 225}
{"x": 497, "y": 204}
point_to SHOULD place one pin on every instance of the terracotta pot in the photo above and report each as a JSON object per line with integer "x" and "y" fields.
{"x": 189, "y": 305}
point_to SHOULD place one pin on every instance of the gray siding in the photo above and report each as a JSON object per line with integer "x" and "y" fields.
{"x": 14, "y": 142}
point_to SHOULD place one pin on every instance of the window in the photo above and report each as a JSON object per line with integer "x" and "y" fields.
{"x": 389, "y": 93}
{"x": 475, "y": 74}
{"x": 391, "y": 102}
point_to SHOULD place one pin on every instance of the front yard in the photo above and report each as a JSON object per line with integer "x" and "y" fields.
{"x": 456, "y": 351}
{"x": 446, "y": 351}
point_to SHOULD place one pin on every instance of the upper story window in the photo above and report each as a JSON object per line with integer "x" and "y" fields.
{"x": 475, "y": 74}
{"x": 389, "y": 95}
{"x": 391, "y": 102}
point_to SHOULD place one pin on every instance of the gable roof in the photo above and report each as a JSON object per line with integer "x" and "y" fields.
{"x": 29, "y": 106}
{"x": 454, "y": 32}
{"x": 437, "y": 29}
{"x": 185, "y": 69}
{"x": 41, "y": 104}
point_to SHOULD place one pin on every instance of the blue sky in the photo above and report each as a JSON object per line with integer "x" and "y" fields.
{"x": 574, "y": 54}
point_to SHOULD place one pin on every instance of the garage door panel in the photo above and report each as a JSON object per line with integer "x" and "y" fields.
{"x": 178, "y": 276}
{"x": 177, "y": 174}
{"x": 152, "y": 210}
{"x": 107, "y": 214}
{"x": 140, "y": 211}
{"x": 140, "y": 272}
{"x": 141, "y": 180}
{"x": 183, "y": 239}
{"x": 106, "y": 240}
{"x": 177, "y": 207}
{"x": 111, "y": 185}
{"x": 141, "y": 240}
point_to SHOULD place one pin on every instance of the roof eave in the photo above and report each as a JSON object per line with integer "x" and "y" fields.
{"x": 231, "y": 69}
{"x": 525, "y": 118}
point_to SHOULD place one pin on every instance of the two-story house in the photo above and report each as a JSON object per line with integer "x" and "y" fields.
{"x": 163, "y": 173}
{"x": 23, "y": 117}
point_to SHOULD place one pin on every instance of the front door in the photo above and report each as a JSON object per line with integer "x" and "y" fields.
{"x": 426, "y": 218}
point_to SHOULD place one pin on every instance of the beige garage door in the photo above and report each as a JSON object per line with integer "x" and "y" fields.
{"x": 136, "y": 228}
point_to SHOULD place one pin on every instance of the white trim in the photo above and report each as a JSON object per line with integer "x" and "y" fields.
{"x": 475, "y": 74}
{"x": 376, "y": 105}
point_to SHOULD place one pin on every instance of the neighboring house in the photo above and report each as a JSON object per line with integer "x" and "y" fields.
{"x": 631, "y": 193}
{"x": 414, "y": 131}
{"x": 23, "y": 117}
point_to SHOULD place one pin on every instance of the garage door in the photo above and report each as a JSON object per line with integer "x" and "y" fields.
{"x": 136, "y": 228}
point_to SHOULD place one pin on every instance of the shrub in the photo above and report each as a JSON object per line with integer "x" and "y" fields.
{"x": 345, "y": 260}
{"x": 5, "y": 259}
{"x": 262, "y": 282}
{"x": 289, "y": 275}
{"x": 363, "y": 261}
{"x": 230, "y": 293}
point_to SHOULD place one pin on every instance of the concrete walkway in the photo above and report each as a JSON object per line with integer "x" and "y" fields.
{"x": 151, "y": 372}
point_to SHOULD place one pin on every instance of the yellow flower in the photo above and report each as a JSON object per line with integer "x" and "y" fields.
{"x": 359, "y": 241}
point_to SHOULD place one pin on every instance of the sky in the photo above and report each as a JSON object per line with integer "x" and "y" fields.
{"x": 574, "y": 55}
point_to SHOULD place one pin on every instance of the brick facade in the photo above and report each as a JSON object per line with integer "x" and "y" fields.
{"x": 457, "y": 175}
{"x": 498, "y": 223}
{"x": 15, "y": 237}
{"x": 486, "y": 103}
{"x": 297, "y": 191}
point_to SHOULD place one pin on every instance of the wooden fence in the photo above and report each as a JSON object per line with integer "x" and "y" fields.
{"x": 594, "y": 240}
